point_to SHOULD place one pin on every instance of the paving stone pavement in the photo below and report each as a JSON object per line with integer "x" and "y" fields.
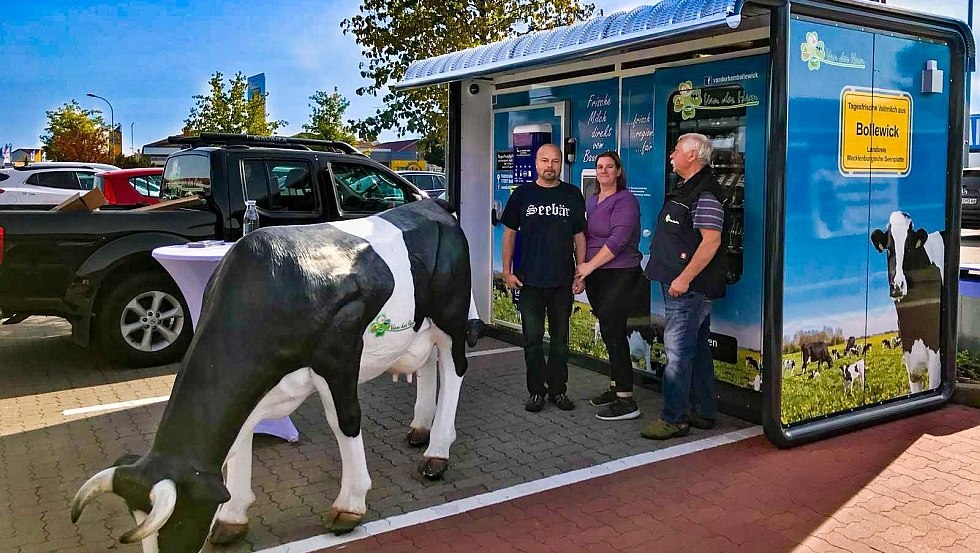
{"x": 910, "y": 486}
{"x": 45, "y": 456}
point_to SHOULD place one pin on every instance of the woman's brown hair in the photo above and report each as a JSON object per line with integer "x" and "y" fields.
{"x": 618, "y": 162}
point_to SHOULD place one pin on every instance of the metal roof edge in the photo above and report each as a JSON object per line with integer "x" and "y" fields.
{"x": 592, "y": 48}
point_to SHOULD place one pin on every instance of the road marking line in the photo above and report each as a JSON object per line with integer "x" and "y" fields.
{"x": 520, "y": 490}
{"x": 151, "y": 400}
{"x": 493, "y": 351}
{"x": 110, "y": 406}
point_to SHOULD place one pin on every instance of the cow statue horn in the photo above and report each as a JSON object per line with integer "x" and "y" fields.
{"x": 97, "y": 485}
{"x": 163, "y": 497}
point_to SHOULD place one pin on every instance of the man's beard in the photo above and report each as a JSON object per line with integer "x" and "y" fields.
{"x": 549, "y": 175}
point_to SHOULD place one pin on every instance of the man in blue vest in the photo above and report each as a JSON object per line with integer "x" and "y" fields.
{"x": 685, "y": 258}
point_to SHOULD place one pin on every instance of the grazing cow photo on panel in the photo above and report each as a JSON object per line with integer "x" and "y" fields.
{"x": 867, "y": 348}
{"x": 816, "y": 352}
{"x": 789, "y": 365}
{"x": 915, "y": 279}
{"x": 850, "y": 343}
{"x": 290, "y": 311}
{"x": 853, "y": 373}
{"x": 886, "y": 343}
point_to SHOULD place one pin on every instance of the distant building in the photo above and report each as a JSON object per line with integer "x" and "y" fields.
{"x": 398, "y": 154}
{"x": 158, "y": 151}
{"x": 24, "y": 156}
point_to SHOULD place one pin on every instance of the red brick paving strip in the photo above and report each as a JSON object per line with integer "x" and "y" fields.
{"x": 911, "y": 486}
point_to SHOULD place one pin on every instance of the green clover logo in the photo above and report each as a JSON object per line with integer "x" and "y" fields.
{"x": 380, "y": 325}
{"x": 687, "y": 100}
{"x": 812, "y": 51}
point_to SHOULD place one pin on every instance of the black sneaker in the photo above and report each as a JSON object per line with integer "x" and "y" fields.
{"x": 624, "y": 408}
{"x": 699, "y": 422}
{"x": 535, "y": 403}
{"x": 603, "y": 399}
{"x": 561, "y": 401}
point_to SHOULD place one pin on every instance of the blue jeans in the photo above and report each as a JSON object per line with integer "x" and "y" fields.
{"x": 689, "y": 379}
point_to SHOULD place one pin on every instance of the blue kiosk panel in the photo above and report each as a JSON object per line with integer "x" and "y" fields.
{"x": 863, "y": 249}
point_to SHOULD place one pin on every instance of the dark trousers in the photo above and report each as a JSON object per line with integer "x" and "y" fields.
{"x": 612, "y": 294}
{"x": 556, "y": 304}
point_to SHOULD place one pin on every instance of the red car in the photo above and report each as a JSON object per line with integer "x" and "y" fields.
{"x": 131, "y": 186}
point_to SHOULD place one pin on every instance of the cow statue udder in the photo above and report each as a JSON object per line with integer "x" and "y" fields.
{"x": 290, "y": 311}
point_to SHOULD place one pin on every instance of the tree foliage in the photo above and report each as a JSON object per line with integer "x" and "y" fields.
{"x": 76, "y": 134}
{"x": 134, "y": 161}
{"x": 327, "y": 117}
{"x": 394, "y": 33}
{"x": 229, "y": 109}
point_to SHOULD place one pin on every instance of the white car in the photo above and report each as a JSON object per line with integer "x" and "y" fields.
{"x": 46, "y": 184}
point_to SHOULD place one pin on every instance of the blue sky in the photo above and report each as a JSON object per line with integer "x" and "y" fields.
{"x": 149, "y": 58}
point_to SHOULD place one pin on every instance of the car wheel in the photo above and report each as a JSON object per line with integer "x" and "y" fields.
{"x": 143, "y": 321}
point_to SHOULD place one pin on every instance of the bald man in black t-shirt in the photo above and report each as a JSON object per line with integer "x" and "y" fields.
{"x": 550, "y": 215}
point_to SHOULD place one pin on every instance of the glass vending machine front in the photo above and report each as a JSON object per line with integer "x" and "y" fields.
{"x": 715, "y": 113}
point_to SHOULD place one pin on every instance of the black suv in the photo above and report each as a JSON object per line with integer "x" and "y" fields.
{"x": 95, "y": 269}
{"x": 971, "y": 198}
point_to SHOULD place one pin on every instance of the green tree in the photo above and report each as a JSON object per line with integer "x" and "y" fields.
{"x": 132, "y": 162}
{"x": 327, "y": 118}
{"x": 229, "y": 110}
{"x": 76, "y": 134}
{"x": 394, "y": 33}
{"x": 433, "y": 152}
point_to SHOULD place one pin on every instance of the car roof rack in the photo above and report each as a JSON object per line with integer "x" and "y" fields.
{"x": 232, "y": 139}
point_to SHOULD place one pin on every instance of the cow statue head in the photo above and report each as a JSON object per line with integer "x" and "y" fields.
{"x": 170, "y": 502}
{"x": 903, "y": 243}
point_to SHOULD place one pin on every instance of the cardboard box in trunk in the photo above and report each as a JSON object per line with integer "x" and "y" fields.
{"x": 89, "y": 201}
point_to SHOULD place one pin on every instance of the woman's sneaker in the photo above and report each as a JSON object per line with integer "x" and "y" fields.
{"x": 605, "y": 398}
{"x": 623, "y": 408}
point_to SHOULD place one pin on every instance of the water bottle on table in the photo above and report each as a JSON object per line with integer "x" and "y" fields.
{"x": 251, "y": 219}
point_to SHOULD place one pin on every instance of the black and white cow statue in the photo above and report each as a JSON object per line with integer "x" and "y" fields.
{"x": 290, "y": 311}
{"x": 915, "y": 276}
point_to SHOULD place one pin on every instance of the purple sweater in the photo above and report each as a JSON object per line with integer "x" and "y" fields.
{"x": 615, "y": 223}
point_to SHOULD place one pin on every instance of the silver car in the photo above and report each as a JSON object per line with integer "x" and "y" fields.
{"x": 431, "y": 182}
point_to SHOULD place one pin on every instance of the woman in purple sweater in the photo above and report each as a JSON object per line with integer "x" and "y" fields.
{"x": 612, "y": 277}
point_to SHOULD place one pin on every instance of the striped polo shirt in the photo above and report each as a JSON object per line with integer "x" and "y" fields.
{"x": 708, "y": 213}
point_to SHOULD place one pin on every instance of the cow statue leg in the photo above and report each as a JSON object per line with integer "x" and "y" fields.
{"x": 231, "y": 520}
{"x": 350, "y": 506}
{"x": 444, "y": 427}
{"x": 425, "y": 401}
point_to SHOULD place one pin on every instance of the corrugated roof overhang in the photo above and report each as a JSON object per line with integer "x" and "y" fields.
{"x": 642, "y": 25}
{"x": 594, "y": 36}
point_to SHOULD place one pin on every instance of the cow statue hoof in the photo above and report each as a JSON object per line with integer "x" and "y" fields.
{"x": 227, "y": 532}
{"x": 433, "y": 468}
{"x": 341, "y": 522}
{"x": 418, "y": 437}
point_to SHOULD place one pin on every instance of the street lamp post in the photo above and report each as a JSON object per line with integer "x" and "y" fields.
{"x": 112, "y": 123}
{"x": 132, "y": 139}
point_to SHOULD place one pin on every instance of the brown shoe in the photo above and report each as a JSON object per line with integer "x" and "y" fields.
{"x": 699, "y": 422}
{"x": 660, "y": 430}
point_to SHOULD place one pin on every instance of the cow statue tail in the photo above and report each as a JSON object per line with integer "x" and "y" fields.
{"x": 474, "y": 325}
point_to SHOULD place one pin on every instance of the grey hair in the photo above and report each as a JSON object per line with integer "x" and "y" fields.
{"x": 698, "y": 143}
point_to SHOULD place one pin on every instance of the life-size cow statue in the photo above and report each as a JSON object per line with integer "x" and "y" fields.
{"x": 290, "y": 311}
{"x": 915, "y": 277}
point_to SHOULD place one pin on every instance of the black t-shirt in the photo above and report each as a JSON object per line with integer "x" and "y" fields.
{"x": 548, "y": 220}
